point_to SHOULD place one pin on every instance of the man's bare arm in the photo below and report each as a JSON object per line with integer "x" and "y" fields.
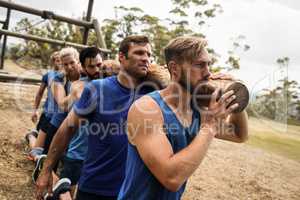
{"x": 146, "y": 133}
{"x": 39, "y": 95}
{"x": 234, "y": 128}
{"x": 37, "y": 100}
{"x": 65, "y": 101}
{"x": 61, "y": 139}
{"x": 56, "y": 150}
{"x": 75, "y": 92}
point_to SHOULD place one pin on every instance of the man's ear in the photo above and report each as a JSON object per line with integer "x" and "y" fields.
{"x": 80, "y": 66}
{"x": 174, "y": 70}
{"x": 122, "y": 57}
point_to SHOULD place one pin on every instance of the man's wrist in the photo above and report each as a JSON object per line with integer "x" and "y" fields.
{"x": 47, "y": 167}
{"x": 209, "y": 128}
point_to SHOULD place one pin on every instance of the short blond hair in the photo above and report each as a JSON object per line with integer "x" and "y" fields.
{"x": 184, "y": 48}
{"x": 53, "y": 56}
{"x": 69, "y": 51}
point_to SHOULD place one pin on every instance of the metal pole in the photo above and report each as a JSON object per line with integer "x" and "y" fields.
{"x": 44, "y": 14}
{"x": 48, "y": 40}
{"x": 88, "y": 18}
{"x": 5, "y": 26}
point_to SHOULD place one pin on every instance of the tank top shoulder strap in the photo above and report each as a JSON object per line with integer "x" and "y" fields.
{"x": 168, "y": 114}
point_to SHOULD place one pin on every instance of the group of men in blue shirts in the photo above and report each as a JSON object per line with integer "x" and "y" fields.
{"x": 142, "y": 143}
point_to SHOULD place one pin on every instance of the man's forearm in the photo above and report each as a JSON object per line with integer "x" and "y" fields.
{"x": 39, "y": 96}
{"x": 182, "y": 164}
{"x": 59, "y": 145}
{"x": 37, "y": 101}
{"x": 240, "y": 122}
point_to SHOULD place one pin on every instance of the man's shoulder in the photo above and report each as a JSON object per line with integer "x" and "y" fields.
{"x": 145, "y": 105}
{"x": 78, "y": 82}
{"x": 102, "y": 84}
{"x": 58, "y": 77}
{"x": 76, "y": 85}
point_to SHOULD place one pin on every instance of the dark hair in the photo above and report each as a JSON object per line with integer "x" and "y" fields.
{"x": 89, "y": 52}
{"x": 133, "y": 39}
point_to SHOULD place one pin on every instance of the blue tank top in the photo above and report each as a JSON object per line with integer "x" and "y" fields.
{"x": 78, "y": 145}
{"x": 139, "y": 183}
{"x": 50, "y": 106}
{"x": 105, "y": 104}
{"x": 59, "y": 116}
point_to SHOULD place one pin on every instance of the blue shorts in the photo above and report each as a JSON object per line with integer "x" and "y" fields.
{"x": 50, "y": 132}
{"x": 43, "y": 122}
{"x": 71, "y": 169}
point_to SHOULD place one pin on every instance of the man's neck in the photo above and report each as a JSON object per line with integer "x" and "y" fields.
{"x": 71, "y": 78}
{"x": 127, "y": 80}
{"x": 177, "y": 97}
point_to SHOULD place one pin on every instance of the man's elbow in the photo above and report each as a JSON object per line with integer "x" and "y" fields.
{"x": 172, "y": 184}
{"x": 242, "y": 137}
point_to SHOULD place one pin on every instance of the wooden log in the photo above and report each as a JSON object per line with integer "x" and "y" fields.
{"x": 110, "y": 68}
{"x": 241, "y": 92}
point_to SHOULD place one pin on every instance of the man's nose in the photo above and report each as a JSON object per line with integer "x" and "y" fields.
{"x": 146, "y": 58}
{"x": 207, "y": 72}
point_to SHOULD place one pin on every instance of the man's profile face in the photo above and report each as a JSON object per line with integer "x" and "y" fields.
{"x": 137, "y": 61}
{"x": 57, "y": 62}
{"x": 71, "y": 66}
{"x": 195, "y": 73}
{"x": 92, "y": 66}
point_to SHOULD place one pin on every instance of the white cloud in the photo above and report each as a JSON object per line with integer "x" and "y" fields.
{"x": 293, "y": 4}
{"x": 271, "y": 28}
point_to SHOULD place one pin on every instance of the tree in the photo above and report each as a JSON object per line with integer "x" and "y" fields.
{"x": 133, "y": 20}
{"x": 38, "y": 50}
{"x": 282, "y": 102}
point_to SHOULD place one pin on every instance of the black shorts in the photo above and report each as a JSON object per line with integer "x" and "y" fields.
{"x": 71, "y": 169}
{"x": 89, "y": 196}
{"x": 43, "y": 122}
{"x": 50, "y": 132}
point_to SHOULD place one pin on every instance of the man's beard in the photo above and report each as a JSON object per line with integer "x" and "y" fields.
{"x": 189, "y": 87}
{"x": 136, "y": 75}
{"x": 73, "y": 75}
{"x": 185, "y": 84}
{"x": 93, "y": 76}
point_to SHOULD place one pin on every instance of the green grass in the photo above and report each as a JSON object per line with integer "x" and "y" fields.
{"x": 293, "y": 122}
{"x": 285, "y": 144}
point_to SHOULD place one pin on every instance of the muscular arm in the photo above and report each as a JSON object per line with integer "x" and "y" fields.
{"x": 67, "y": 129}
{"x": 234, "y": 128}
{"x": 65, "y": 101}
{"x": 59, "y": 94}
{"x": 75, "y": 92}
{"x": 61, "y": 141}
{"x": 39, "y": 95}
{"x": 146, "y": 133}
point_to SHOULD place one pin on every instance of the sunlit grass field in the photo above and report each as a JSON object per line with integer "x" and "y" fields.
{"x": 275, "y": 137}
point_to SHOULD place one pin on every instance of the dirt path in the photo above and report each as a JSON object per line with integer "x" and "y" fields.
{"x": 241, "y": 172}
{"x": 230, "y": 171}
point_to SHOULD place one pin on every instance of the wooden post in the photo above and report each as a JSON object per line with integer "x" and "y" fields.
{"x": 88, "y": 18}
{"x": 100, "y": 39}
{"x": 5, "y": 26}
